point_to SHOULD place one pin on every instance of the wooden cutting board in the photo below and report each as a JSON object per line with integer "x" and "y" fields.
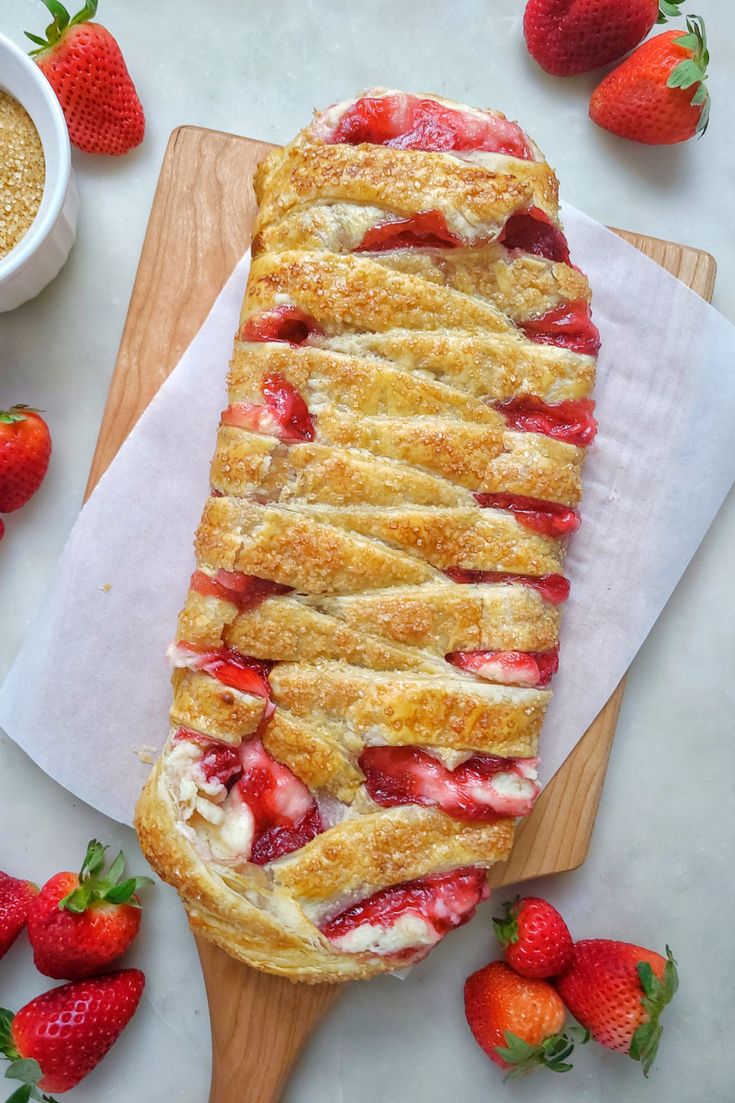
{"x": 200, "y": 226}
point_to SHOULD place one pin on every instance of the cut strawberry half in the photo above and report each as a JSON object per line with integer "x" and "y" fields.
{"x": 571, "y": 421}
{"x": 247, "y": 591}
{"x": 285, "y": 813}
{"x": 423, "y": 230}
{"x": 285, "y": 415}
{"x": 241, "y": 672}
{"x": 403, "y": 121}
{"x": 510, "y": 668}
{"x": 569, "y": 326}
{"x": 286, "y": 324}
{"x": 484, "y": 787}
{"x": 406, "y": 920}
{"x": 548, "y": 518}
{"x": 553, "y": 588}
{"x": 532, "y": 231}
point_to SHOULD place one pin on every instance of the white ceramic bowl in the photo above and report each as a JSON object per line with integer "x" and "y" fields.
{"x": 39, "y": 255}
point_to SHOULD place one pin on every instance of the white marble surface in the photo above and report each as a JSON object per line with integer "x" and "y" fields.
{"x": 660, "y": 863}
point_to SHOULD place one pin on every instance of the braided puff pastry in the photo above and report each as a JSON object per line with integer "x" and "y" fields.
{"x": 362, "y": 662}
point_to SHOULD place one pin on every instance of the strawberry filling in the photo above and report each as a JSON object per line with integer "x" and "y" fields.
{"x": 532, "y": 231}
{"x": 228, "y": 666}
{"x": 548, "y": 518}
{"x": 247, "y": 591}
{"x": 220, "y": 762}
{"x": 285, "y": 813}
{"x": 287, "y": 324}
{"x": 511, "y": 668}
{"x": 403, "y": 121}
{"x": 485, "y": 787}
{"x": 405, "y": 919}
{"x": 284, "y": 415}
{"x": 553, "y": 588}
{"x": 425, "y": 229}
{"x": 572, "y": 421}
{"x": 569, "y": 326}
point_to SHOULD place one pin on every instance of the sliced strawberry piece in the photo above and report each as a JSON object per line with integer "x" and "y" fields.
{"x": 423, "y": 230}
{"x": 247, "y": 591}
{"x": 485, "y": 787}
{"x": 510, "y": 668}
{"x": 287, "y": 324}
{"x": 532, "y": 231}
{"x": 553, "y": 588}
{"x": 285, "y": 813}
{"x": 220, "y": 762}
{"x": 228, "y": 666}
{"x": 569, "y": 326}
{"x": 437, "y": 904}
{"x": 548, "y": 518}
{"x": 403, "y": 121}
{"x": 572, "y": 421}
{"x": 285, "y": 414}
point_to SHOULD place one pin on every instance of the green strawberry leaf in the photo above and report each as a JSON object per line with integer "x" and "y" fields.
{"x": 656, "y": 995}
{"x": 8, "y": 1047}
{"x": 96, "y": 885}
{"x": 692, "y": 72}
{"x": 667, "y": 10}
{"x": 506, "y": 926}
{"x": 20, "y": 1095}
{"x": 552, "y": 1054}
{"x": 88, "y": 12}
{"x": 25, "y": 1069}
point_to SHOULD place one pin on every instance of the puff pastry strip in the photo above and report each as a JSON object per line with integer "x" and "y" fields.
{"x": 361, "y": 666}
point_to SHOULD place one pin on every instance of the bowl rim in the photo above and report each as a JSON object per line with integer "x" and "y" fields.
{"x": 41, "y": 227}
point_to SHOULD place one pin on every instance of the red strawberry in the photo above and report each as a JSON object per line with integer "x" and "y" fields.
{"x": 618, "y": 991}
{"x": 658, "y": 94}
{"x": 83, "y": 64}
{"x": 25, "y": 449}
{"x": 516, "y": 1020}
{"x": 576, "y": 36}
{"x": 535, "y": 938}
{"x": 58, "y": 1038}
{"x": 78, "y": 925}
{"x": 15, "y": 901}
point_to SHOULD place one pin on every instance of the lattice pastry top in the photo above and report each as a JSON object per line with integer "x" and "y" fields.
{"x": 362, "y": 662}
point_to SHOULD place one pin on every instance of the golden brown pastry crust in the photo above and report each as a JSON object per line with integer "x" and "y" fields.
{"x": 357, "y": 527}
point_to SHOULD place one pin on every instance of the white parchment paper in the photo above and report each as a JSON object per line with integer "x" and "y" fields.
{"x": 90, "y": 685}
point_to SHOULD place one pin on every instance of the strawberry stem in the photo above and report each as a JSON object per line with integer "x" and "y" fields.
{"x": 96, "y": 885}
{"x": 16, "y": 413}
{"x": 61, "y": 22}
{"x": 692, "y": 71}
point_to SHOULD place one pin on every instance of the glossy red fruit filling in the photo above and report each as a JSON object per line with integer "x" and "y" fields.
{"x": 284, "y": 415}
{"x": 228, "y": 666}
{"x": 485, "y": 787}
{"x": 553, "y": 588}
{"x": 287, "y": 324}
{"x": 572, "y": 421}
{"x": 532, "y": 231}
{"x": 403, "y": 121}
{"x": 510, "y": 668}
{"x": 247, "y": 591}
{"x": 439, "y": 903}
{"x": 548, "y": 518}
{"x": 423, "y": 230}
{"x": 285, "y": 813}
{"x": 569, "y": 326}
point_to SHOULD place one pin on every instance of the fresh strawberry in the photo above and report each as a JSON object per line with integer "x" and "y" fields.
{"x": 58, "y": 1038}
{"x": 618, "y": 991}
{"x": 575, "y": 36}
{"x": 83, "y": 64}
{"x": 78, "y": 925}
{"x": 658, "y": 94}
{"x": 535, "y": 938}
{"x": 25, "y": 449}
{"x": 516, "y": 1020}
{"x": 15, "y": 901}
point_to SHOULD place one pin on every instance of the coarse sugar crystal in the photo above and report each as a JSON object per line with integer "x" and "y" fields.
{"x": 22, "y": 172}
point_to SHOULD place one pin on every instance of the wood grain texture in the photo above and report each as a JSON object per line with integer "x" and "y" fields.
{"x": 199, "y": 227}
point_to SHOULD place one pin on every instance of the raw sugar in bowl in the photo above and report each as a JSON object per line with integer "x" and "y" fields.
{"x": 39, "y": 202}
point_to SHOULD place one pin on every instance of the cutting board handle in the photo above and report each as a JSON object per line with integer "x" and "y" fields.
{"x": 259, "y": 1024}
